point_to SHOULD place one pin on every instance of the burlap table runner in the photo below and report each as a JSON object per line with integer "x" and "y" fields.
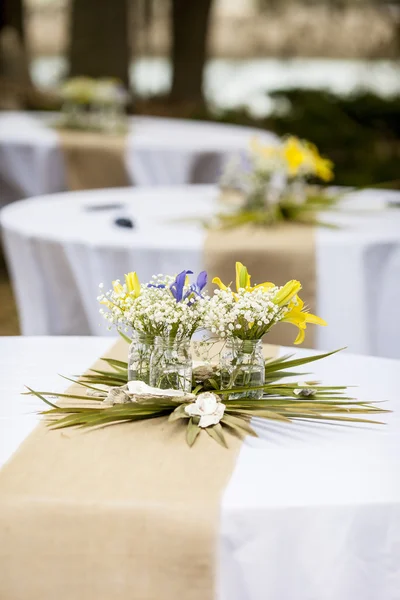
{"x": 277, "y": 254}
{"x": 126, "y": 512}
{"x": 93, "y": 160}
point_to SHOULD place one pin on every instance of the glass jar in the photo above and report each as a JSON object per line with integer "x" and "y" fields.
{"x": 242, "y": 365}
{"x": 139, "y": 355}
{"x": 171, "y": 364}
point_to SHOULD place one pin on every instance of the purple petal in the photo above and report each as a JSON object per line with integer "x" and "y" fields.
{"x": 178, "y": 285}
{"x": 201, "y": 280}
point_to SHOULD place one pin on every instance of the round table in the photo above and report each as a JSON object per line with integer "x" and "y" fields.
{"x": 61, "y": 247}
{"x": 158, "y": 152}
{"x": 319, "y": 502}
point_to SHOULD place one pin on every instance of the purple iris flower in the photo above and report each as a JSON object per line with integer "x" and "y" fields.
{"x": 177, "y": 286}
{"x": 194, "y": 290}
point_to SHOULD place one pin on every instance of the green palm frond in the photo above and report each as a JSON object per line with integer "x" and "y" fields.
{"x": 279, "y": 402}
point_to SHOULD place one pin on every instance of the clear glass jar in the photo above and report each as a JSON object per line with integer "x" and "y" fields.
{"x": 171, "y": 365}
{"x": 139, "y": 356}
{"x": 242, "y": 365}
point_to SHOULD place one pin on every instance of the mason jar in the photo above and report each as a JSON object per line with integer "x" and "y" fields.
{"x": 242, "y": 365}
{"x": 139, "y": 356}
{"x": 171, "y": 364}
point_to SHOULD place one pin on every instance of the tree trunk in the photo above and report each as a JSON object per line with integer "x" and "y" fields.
{"x": 12, "y": 15}
{"x": 99, "y": 40}
{"x": 190, "y": 19}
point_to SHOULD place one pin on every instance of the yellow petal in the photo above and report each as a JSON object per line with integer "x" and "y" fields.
{"x": 132, "y": 283}
{"x": 300, "y": 336}
{"x": 314, "y": 319}
{"x": 266, "y": 285}
{"x": 117, "y": 287}
{"x": 219, "y": 283}
{"x": 287, "y": 293}
{"x": 242, "y": 277}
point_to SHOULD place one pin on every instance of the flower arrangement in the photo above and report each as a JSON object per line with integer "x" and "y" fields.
{"x": 213, "y": 397}
{"x": 275, "y": 184}
{"x": 164, "y": 314}
{"x": 167, "y": 307}
{"x": 244, "y": 317}
{"x": 251, "y": 311}
{"x": 93, "y": 104}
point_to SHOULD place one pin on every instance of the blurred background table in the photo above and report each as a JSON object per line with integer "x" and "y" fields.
{"x": 158, "y": 152}
{"x": 336, "y": 509}
{"x": 61, "y": 247}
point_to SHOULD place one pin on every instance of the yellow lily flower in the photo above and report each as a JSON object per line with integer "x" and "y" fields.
{"x": 299, "y": 317}
{"x": 287, "y": 293}
{"x": 295, "y": 155}
{"x": 323, "y": 167}
{"x": 242, "y": 277}
{"x": 132, "y": 284}
{"x": 243, "y": 280}
{"x": 117, "y": 287}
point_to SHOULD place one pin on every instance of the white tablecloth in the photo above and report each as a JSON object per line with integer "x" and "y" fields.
{"x": 312, "y": 511}
{"x": 59, "y": 252}
{"x": 159, "y": 152}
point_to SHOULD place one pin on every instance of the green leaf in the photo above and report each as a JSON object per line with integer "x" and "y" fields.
{"x": 196, "y": 390}
{"x": 192, "y": 432}
{"x": 214, "y": 384}
{"x": 179, "y": 413}
{"x": 239, "y": 424}
{"x": 40, "y": 395}
{"x": 86, "y": 385}
{"x": 124, "y": 337}
{"x": 278, "y": 364}
{"x": 74, "y": 396}
{"x": 215, "y": 431}
{"x": 117, "y": 364}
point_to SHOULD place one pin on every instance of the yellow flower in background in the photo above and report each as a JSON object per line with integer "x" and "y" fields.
{"x": 302, "y": 159}
{"x": 299, "y": 317}
{"x": 295, "y": 157}
{"x": 295, "y": 154}
{"x": 323, "y": 167}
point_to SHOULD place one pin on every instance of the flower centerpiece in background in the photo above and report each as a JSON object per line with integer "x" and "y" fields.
{"x": 163, "y": 314}
{"x": 243, "y": 318}
{"x": 94, "y": 104}
{"x": 277, "y": 183}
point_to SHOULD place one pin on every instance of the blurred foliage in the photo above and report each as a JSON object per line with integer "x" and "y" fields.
{"x": 360, "y": 133}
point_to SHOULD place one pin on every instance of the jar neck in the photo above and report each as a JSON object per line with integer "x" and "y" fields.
{"x": 144, "y": 338}
{"x": 172, "y": 343}
{"x": 247, "y": 346}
